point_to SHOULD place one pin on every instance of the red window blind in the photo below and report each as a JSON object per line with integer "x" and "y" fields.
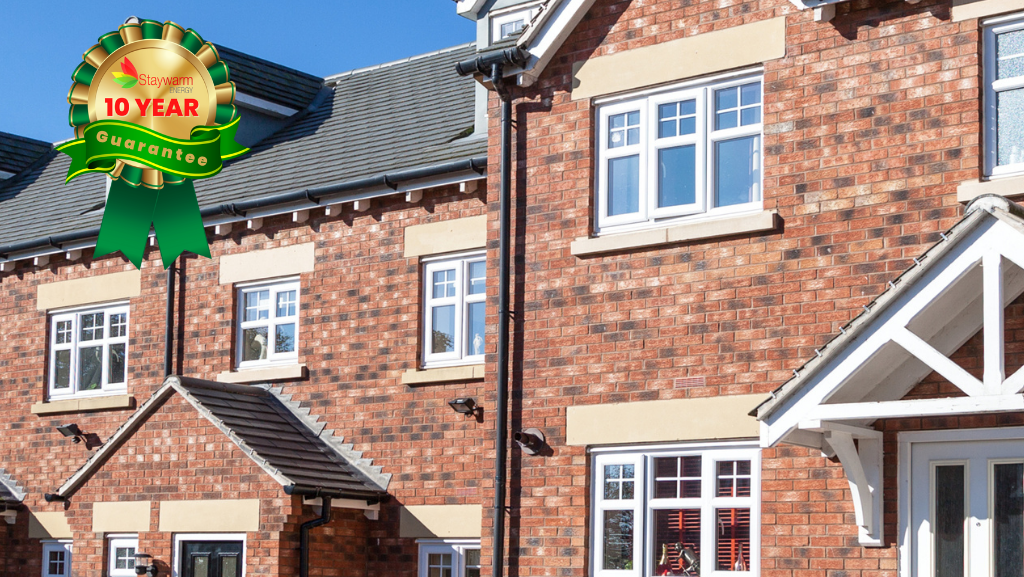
{"x": 733, "y": 543}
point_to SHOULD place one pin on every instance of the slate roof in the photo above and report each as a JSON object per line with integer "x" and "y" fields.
{"x": 17, "y": 152}
{"x": 10, "y": 491}
{"x": 405, "y": 115}
{"x": 274, "y": 431}
{"x": 270, "y": 81}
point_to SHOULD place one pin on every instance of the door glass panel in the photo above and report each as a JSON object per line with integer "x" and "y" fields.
{"x": 200, "y": 566}
{"x": 950, "y": 512}
{"x": 229, "y": 567}
{"x": 618, "y": 540}
{"x": 1007, "y": 522}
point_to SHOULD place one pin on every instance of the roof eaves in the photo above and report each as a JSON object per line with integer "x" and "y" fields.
{"x": 994, "y": 205}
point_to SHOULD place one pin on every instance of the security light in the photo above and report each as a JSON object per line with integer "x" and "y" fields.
{"x": 71, "y": 430}
{"x": 144, "y": 564}
{"x": 465, "y": 406}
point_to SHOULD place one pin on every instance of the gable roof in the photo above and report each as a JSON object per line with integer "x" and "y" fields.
{"x": 274, "y": 431}
{"x": 10, "y": 490}
{"x": 898, "y": 340}
{"x": 408, "y": 118}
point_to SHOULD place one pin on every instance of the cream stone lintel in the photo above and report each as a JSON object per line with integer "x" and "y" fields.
{"x": 264, "y": 374}
{"x": 763, "y": 221}
{"x": 967, "y": 9}
{"x": 707, "y": 418}
{"x": 83, "y": 404}
{"x": 1009, "y": 187}
{"x": 688, "y": 57}
{"x": 269, "y": 263}
{"x": 85, "y": 291}
{"x": 440, "y": 521}
{"x": 446, "y": 236}
{"x": 235, "y": 515}
{"x": 121, "y": 517}
{"x": 48, "y": 525}
{"x": 442, "y": 375}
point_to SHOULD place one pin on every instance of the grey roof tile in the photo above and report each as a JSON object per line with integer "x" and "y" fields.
{"x": 406, "y": 115}
{"x": 18, "y": 153}
{"x": 270, "y": 81}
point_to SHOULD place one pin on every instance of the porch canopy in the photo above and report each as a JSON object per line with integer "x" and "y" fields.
{"x": 960, "y": 286}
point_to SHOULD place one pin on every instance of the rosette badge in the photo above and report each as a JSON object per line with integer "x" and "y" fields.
{"x": 153, "y": 107}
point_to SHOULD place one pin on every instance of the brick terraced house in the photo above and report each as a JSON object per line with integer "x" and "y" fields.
{"x": 740, "y": 295}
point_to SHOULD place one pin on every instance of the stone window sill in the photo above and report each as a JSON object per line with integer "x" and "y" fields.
{"x": 1009, "y": 186}
{"x": 764, "y": 221}
{"x": 84, "y": 404}
{"x": 264, "y": 374}
{"x": 443, "y": 375}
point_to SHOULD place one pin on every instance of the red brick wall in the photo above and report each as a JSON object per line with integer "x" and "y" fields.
{"x": 871, "y": 121}
{"x": 360, "y": 328}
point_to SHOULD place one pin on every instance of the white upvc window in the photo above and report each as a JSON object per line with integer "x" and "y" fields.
{"x": 449, "y": 558}
{"x": 268, "y": 326}
{"x": 1003, "y": 47}
{"x": 89, "y": 351}
{"x": 454, "y": 309}
{"x": 121, "y": 551}
{"x": 683, "y": 510}
{"x": 690, "y": 151}
{"x": 56, "y": 559}
{"x": 509, "y": 22}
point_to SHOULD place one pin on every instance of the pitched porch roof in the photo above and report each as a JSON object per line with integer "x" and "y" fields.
{"x": 959, "y": 286}
{"x": 274, "y": 431}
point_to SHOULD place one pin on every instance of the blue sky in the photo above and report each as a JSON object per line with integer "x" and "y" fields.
{"x": 42, "y": 42}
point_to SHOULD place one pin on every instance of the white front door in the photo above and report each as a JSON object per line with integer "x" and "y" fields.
{"x": 967, "y": 508}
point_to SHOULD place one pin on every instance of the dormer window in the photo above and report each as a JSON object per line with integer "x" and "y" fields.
{"x": 512, "y": 21}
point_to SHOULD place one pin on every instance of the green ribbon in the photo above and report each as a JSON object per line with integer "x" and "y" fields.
{"x": 131, "y": 209}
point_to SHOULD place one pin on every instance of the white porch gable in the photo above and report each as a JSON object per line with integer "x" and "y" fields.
{"x": 960, "y": 286}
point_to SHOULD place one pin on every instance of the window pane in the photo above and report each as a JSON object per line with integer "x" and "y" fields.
{"x": 735, "y": 170}
{"x": 472, "y": 557}
{"x": 92, "y": 326}
{"x": 118, "y": 325}
{"x": 257, "y": 305}
{"x": 115, "y": 373}
{"x": 475, "y": 339}
{"x": 444, "y": 283}
{"x": 90, "y": 368}
{"x": 623, "y": 185}
{"x": 677, "y": 477}
{"x": 750, "y": 116}
{"x": 950, "y": 512}
{"x": 1008, "y": 507}
{"x": 286, "y": 304}
{"x": 477, "y": 277}
{"x": 1010, "y": 126}
{"x": 1009, "y": 52}
{"x": 725, "y": 99}
{"x": 63, "y": 335}
{"x": 284, "y": 340}
{"x": 443, "y": 325}
{"x": 618, "y": 540}
{"x": 732, "y": 480}
{"x": 733, "y": 540}
{"x": 750, "y": 94}
{"x": 677, "y": 179}
{"x": 619, "y": 481}
{"x": 62, "y": 370}
{"x": 254, "y": 344}
{"x": 676, "y": 541}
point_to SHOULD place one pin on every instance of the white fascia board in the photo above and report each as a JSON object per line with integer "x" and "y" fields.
{"x": 470, "y": 8}
{"x": 545, "y": 36}
{"x": 265, "y": 106}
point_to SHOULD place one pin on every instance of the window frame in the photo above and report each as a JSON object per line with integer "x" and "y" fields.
{"x": 705, "y": 137}
{"x": 74, "y": 315}
{"x": 462, "y": 299}
{"x": 115, "y": 541}
{"x": 456, "y": 547}
{"x": 992, "y": 87}
{"x": 274, "y": 287}
{"x": 64, "y": 545}
{"x": 526, "y": 13}
{"x": 644, "y": 504}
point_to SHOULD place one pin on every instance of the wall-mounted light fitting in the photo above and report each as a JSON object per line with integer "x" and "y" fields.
{"x": 9, "y": 513}
{"x": 465, "y": 406}
{"x": 144, "y": 564}
{"x": 71, "y": 430}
